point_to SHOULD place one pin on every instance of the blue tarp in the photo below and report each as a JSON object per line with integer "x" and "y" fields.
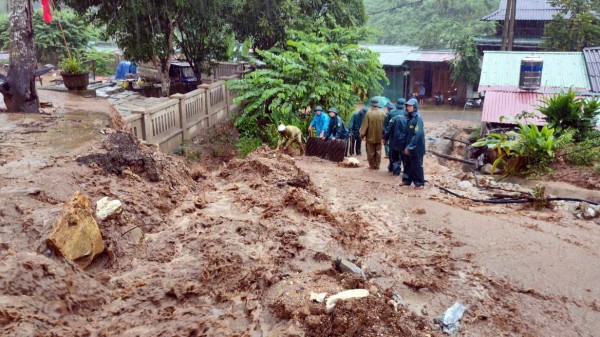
{"x": 124, "y": 68}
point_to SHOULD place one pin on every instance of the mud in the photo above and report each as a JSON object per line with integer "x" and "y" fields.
{"x": 236, "y": 248}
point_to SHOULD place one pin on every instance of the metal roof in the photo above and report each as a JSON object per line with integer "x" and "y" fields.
{"x": 561, "y": 69}
{"x": 399, "y": 55}
{"x": 592, "y": 60}
{"x": 527, "y": 10}
{"x": 508, "y": 102}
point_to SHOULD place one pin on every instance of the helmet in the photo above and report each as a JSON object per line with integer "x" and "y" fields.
{"x": 334, "y": 110}
{"x": 281, "y": 128}
{"x": 318, "y": 108}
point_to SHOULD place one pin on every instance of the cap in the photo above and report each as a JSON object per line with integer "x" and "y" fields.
{"x": 400, "y": 102}
{"x": 375, "y": 102}
{"x": 318, "y": 108}
{"x": 281, "y": 128}
{"x": 390, "y": 106}
{"x": 334, "y": 110}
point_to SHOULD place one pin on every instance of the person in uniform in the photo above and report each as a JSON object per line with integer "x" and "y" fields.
{"x": 371, "y": 131}
{"x": 289, "y": 135}
{"x": 415, "y": 147}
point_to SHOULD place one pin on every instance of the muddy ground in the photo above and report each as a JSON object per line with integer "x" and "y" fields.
{"x": 227, "y": 247}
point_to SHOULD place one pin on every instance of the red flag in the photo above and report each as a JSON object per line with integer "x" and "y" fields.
{"x": 46, "y": 10}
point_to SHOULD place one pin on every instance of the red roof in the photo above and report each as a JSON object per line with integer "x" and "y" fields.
{"x": 509, "y": 101}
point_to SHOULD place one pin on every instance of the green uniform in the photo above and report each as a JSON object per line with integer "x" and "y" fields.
{"x": 289, "y": 136}
{"x": 372, "y": 130}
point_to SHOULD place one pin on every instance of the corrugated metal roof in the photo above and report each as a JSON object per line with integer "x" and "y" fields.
{"x": 399, "y": 55}
{"x": 561, "y": 69}
{"x": 509, "y": 101}
{"x": 532, "y": 10}
{"x": 592, "y": 59}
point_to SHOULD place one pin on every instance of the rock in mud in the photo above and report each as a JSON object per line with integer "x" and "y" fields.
{"x": 105, "y": 208}
{"x": 487, "y": 169}
{"x": 350, "y": 162}
{"x": 344, "y": 295}
{"x": 75, "y": 233}
{"x": 345, "y": 266}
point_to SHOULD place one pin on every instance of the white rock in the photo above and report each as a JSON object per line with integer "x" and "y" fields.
{"x": 589, "y": 213}
{"x": 344, "y": 295}
{"x": 465, "y": 185}
{"x": 106, "y": 208}
{"x": 350, "y": 162}
{"x": 317, "y": 297}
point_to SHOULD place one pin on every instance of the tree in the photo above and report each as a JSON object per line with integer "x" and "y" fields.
{"x": 49, "y": 44}
{"x": 144, "y": 30}
{"x": 18, "y": 88}
{"x": 577, "y": 26}
{"x": 427, "y": 23}
{"x": 203, "y": 34}
{"x": 467, "y": 64}
{"x": 324, "y": 68}
{"x": 270, "y": 19}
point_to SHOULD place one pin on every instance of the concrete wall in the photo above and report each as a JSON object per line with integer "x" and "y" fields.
{"x": 184, "y": 116}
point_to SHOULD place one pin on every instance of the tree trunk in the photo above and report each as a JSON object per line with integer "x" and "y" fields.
{"x": 506, "y": 26}
{"x": 511, "y": 29}
{"x": 20, "y": 94}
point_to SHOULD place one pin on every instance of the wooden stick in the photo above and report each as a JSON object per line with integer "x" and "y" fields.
{"x": 452, "y": 158}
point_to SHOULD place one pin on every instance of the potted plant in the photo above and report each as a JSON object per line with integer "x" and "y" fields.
{"x": 74, "y": 74}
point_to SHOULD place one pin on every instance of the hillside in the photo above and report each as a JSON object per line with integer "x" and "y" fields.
{"x": 427, "y": 23}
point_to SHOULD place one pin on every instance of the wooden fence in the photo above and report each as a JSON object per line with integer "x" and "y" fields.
{"x": 184, "y": 116}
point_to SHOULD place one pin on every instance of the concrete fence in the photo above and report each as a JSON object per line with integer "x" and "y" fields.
{"x": 184, "y": 116}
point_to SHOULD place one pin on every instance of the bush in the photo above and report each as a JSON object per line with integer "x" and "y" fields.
{"x": 585, "y": 153}
{"x": 529, "y": 150}
{"x": 246, "y": 145}
{"x": 104, "y": 62}
{"x": 565, "y": 111}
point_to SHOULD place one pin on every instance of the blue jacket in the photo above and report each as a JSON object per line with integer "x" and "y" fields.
{"x": 337, "y": 129}
{"x": 395, "y": 132}
{"x": 320, "y": 123}
{"x": 415, "y": 134}
{"x": 356, "y": 122}
{"x": 391, "y": 115}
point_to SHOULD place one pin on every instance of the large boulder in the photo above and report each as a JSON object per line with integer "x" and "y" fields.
{"x": 75, "y": 233}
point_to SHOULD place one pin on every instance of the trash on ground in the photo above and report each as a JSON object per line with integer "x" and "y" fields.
{"x": 317, "y": 297}
{"x": 344, "y": 295}
{"x": 451, "y": 319}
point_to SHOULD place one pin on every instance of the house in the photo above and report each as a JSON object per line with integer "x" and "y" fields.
{"x": 530, "y": 20}
{"x": 407, "y": 68}
{"x": 592, "y": 60}
{"x": 500, "y": 75}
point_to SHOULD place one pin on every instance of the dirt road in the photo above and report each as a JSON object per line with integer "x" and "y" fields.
{"x": 237, "y": 250}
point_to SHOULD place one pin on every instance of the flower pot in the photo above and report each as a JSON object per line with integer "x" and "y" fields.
{"x": 76, "y": 81}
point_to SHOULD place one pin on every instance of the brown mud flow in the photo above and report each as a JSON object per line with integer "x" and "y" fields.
{"x": 237, "y": 250}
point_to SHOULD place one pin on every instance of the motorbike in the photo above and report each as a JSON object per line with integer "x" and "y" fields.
{"x": 439, "y": 98}
{"x": 453, "y": 96}
{"x": 474, "y": 103}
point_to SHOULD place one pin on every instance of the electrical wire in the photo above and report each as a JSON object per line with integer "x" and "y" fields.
{"x": 513, "y": 201}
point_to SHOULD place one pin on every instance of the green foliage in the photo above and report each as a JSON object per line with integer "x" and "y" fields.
{"x": 267, "y": 22}
{"x": 246, "y": 145}
{"x": 564, "y": 110}
{"x": 49, "y": 43}
{"x": 529, "y": 150}
{"x": 72, "y": 65}
{"x": 103, "y": 61}
{"x": 586, "y": 152}
{"x": 429, "y": 23}
{"x": 312, "y": 69}
{"x": 467, "y": 64}
{"x": 203, "y": 34}
{"x": 575, "y": 28}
